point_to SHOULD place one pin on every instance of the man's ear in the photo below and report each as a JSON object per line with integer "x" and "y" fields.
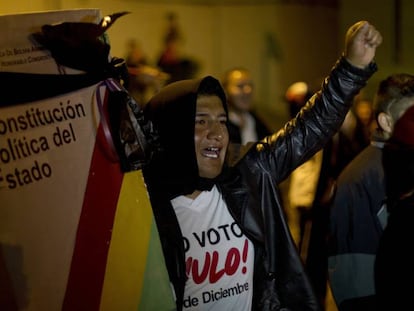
{"x": 385, "y": 122}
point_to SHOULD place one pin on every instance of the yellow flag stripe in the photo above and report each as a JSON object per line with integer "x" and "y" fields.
{"x": 125, "y": 271}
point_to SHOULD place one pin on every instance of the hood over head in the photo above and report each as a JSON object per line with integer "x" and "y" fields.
{"x": 173, "y": 170}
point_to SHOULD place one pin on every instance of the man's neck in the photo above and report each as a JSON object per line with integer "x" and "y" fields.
{"x": 193, "y": 195}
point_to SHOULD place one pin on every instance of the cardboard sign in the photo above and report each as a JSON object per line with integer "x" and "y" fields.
{"x": 75, "y": 232}
{"x": 20, "y": 53}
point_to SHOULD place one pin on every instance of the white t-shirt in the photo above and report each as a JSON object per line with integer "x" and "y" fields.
{"x": 219, "y": 258}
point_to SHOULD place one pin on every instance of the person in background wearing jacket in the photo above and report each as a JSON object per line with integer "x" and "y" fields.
{"x": 244, "y": 124}
{"x": 225, "y": 240}
{"x": 357, "y": 213}
{"x": 303, "y": 180}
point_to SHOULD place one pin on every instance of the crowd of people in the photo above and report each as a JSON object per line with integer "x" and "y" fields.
{"x": 146, "y": 77}
{"x": 214, "y": 191}
{"x": 231, "y": 240}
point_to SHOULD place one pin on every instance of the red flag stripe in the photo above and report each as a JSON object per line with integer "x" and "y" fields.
{"x": 87, "y": 272}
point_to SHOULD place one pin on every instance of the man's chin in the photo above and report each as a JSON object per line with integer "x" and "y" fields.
{"x": 210, "y": 175}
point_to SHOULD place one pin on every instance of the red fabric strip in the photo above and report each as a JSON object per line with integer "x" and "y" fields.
{"x": 87, "y": 272}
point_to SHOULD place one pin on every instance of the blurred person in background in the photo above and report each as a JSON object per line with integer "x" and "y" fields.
{"x": 365, "y": 121}
{"x": 244, "y": 123}
{"x": 304, "y": 180}
{"x": 144, "y": 80}
{"x": 171, "y": 59}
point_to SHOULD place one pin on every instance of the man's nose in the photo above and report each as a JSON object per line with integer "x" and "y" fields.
{"x": 216, "y": 130}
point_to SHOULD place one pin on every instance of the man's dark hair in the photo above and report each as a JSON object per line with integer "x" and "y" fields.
{"x": 393, "y": 94}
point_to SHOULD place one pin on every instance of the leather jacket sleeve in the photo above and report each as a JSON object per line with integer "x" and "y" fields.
{"x": 316, "y": 122}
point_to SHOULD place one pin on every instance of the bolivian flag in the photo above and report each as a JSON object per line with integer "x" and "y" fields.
{"x": 75, "y": 232}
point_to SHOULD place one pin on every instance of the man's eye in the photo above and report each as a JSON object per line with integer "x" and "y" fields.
{"x": 200, "y": 121}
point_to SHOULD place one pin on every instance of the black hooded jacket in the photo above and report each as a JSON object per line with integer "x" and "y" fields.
{"x": 248, "y": 183}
